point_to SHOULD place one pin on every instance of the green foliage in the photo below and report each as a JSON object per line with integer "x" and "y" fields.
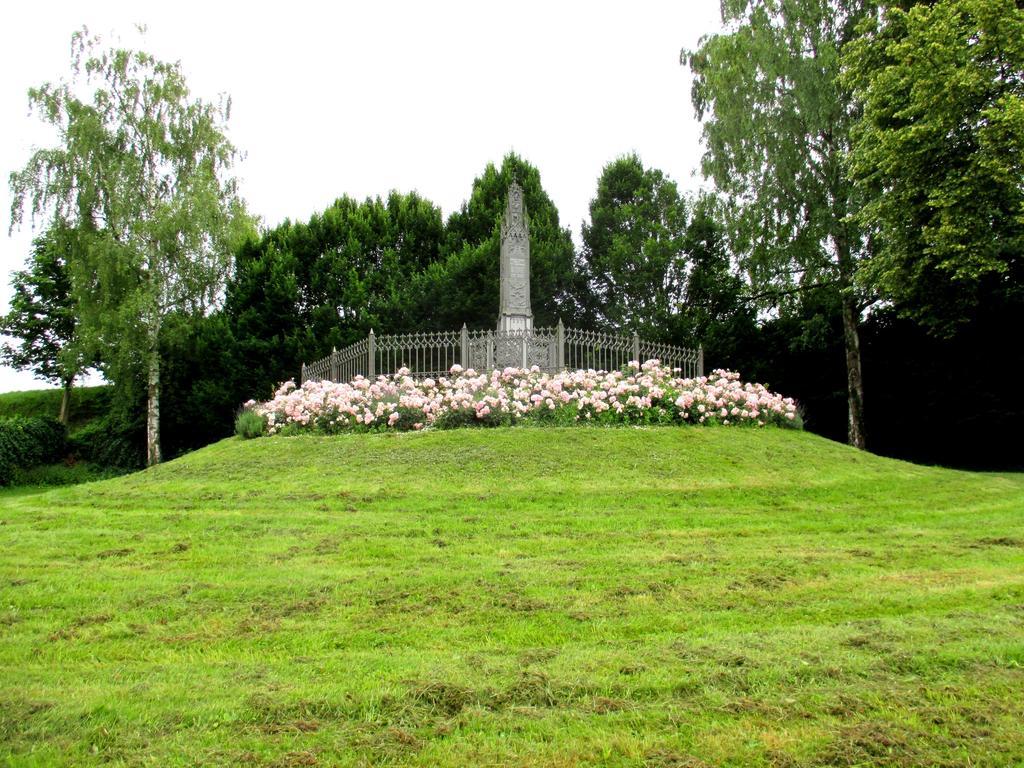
{"x": 939, "y": 154}
{"x": 28, "y": 442}
{"x": 205, "y": 378}
{"x": 633, "y": 248}
{"x": 305, "y": 288}
{"x": 100, "y": 443}
{"x": 266, "y": 318}
{"x": 537, "y": 597}
{"x": 715, "y": 311}
{"x": 776, "y": 127}
{"x": 110, "y": 442}
{"x": 463, "y": 289}
{"x": 63, "y": 473}
{"x": 249, "y": 424}
{"x": 777, "y": 122}
{"x": 661, "y": 266}
{"x": 42, "y": 318}
{"x": 353, "y": 263}
{"x": 145, "y": 170}
{"x": 467, "y": 418}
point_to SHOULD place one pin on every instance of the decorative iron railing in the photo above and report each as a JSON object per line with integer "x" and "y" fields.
{"x": 550, "y": 349}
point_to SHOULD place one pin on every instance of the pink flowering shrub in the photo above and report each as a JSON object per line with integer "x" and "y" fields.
{"x": 647, "y": 394}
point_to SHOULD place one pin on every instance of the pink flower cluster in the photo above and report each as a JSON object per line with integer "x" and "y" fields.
{"x": 647, "y": 394}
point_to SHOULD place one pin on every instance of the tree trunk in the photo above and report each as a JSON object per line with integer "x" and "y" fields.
{"x": 65, "y": 401}
{"x": 153, "y": 405}
{"x": 851, "y": 337}
{"x": 854, "y": 381}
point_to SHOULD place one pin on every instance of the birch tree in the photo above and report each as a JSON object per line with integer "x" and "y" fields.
{"x": 777, "y": 122}
{"x": 147, "y": 167}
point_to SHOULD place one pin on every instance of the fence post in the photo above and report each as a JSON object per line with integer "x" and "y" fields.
{"x": 636, "y": 347}
{"x": 371, "y": 355}
{"x": 490, "y": 350}
{"x": 302, "y": 376}
{"x": 559, "y": 346}
{"x": 700, "y": 360}
{"x": 335, "y": 373}
{"x": 464, "y": 345}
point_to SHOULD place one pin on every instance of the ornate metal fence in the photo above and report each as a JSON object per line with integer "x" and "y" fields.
{"x": 550, "y": 349}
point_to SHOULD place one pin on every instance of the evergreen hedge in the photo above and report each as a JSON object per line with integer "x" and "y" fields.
{"x": 29, "y": 442}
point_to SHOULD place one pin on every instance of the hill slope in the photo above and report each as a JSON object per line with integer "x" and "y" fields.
{"x": 87, "y": 404}
{"x": 626, "y": 597}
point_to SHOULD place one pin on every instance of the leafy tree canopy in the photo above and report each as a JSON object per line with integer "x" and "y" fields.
{"x": 776, "y": 130}
{"x": 939, "y": 153}
{"x": 145, "y": 167}
{"x": 43, "y": 318}
{"x": 306, "y": 287}
{"x": 465, "y": 288}
{"x": 715, "y": 311}
{"x": 633, "y": 248}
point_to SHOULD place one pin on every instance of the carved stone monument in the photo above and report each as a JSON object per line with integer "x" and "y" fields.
{"x": 514, "y": 313}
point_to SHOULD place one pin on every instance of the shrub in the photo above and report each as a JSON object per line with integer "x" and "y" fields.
{"x": 63, "y": 473}
{"x": 639, "y": 395}
{"x": 29, "y": 442}
{"x": 108, "y": 443}
{"x": 250, "y": 424}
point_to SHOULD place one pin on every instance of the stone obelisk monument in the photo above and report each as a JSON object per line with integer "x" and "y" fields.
{"x": 514, "y": 313}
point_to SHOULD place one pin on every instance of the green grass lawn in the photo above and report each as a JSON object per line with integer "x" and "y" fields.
{"x": 622, "y": 597}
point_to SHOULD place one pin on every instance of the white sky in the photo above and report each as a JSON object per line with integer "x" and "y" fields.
{"x": 362, "y": 98}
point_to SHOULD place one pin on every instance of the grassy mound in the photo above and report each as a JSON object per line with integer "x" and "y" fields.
{"x": 626, "y": 597}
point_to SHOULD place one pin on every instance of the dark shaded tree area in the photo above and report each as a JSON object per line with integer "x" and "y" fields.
{"x": 948, "y": 400}
{"x": 935, "y": 400}
{"x": 715, "y": 311}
